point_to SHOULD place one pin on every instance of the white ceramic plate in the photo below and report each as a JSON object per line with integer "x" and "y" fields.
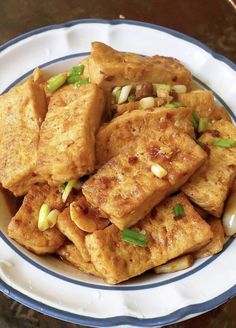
{"x": 51, "y": 287}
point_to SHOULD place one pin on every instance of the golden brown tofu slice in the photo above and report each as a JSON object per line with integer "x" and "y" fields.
{"x": 23, "y": 226}
{"x": 125, "y": 188}
{"x": 168, "y": 237}
{"x": 22, "y": 110}
{"x": 113, "y": 137}
{"x": 69, "y": 253}
{"x": 67, "y": 137}
{"x": 217, "y": 243}
{"x": 109, "y": 68}
{"x": 202, "y": 102}
{"x": 209, "y": 186}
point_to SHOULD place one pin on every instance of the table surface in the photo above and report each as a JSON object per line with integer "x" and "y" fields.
{"x": 213, "y": 22}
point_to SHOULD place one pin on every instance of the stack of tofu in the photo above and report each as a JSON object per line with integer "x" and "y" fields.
{"x": 135, "y": 165}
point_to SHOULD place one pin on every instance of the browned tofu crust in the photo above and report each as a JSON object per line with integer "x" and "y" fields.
{"x": 71, "y": 254}
{"x": 67, "y": 137}
{"x": 217, "y": 243}
{"x": 22, "y": 110}
{"x": 23, "y": 226}
{"x": 203, "y": 103}
{"x": 168, "y": 237}
{"x": 113, "y": 137}
{"x": 209, "y": 186}
{"x": 125, "y": 189}
{"x": 109, "y": 68}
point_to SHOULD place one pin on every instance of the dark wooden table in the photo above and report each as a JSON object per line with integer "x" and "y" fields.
{"x": 211, "y": 21}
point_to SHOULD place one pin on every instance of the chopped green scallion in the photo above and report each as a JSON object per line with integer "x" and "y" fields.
{"x": 69, "y": 186}
{"x": 131, "y": 98}
{"x": 56, "y": 82}
{"x": 82, "y": 82}
{"x": 73, "y": 79}
{"x": 224, "y": 143}
{"x": 62, "y": 185}
{"x": 203, "y": 124}
{"x": 134, "y": 237}
{"x": 195, "y": 120}
{"x": 117, "y": 95}
{"x": 76, "y": 70}
{"x": 178, "y": 210}
{"x": 176, "y": 104}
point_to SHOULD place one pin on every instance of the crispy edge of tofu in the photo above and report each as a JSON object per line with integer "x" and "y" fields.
{"x": 203, "y": 103}
{"x": 109, "y": 68}
{"x": 23, "y": 227}
{"x": 216, "y": 244}
{"x": 124, "y": 214}
{"x": 114, "y": 136}
{"x": 60, "y": 162}
{"x": 30, "y": 96}
{"x": 168, "y": 238}
{"x": 215, "y": 170}
{"x": 69, "y": 253}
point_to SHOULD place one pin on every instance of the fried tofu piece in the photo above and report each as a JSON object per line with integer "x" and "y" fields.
{"x": 203, "y": 103}
{"x": 216, "y": 244}
{"x": 110, "y": 68}
{"x": 22, "y": 110}
{"x": 209, "y": 186}
{"x": 73, "y": 233}
{"x": 67, "y": 137}
{"x": 23, "y": 227}
{"x": 168, "y": 238}
{"x": 72, "y": 255}
{"x": 113, "y": 137}
{"x": 125, "y": 189}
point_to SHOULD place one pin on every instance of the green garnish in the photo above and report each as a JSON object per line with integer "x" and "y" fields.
{"x": 195, "y": 120}
{"x": 131, "y": 99}
{"x": 82, "y": 82}
{"x": 76, "y": 70}
{"x": 63, "y": 185}
{"x": 224, "y": 143}
{"x": 203, "y": 124}
{"x": 73, "y": 79}
{"x": 176, "y": 104}
{"x": 117, "y": 95}
{"x": 178, "y": 210}
{"x": 56, "y": 82}
{"x": 69, "y": 186}
{"x": 134, "y": 237}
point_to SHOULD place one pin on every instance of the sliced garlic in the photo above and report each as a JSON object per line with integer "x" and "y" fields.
{"x": 158, "y": 171}
{"x": 147, "y": 102}
{"x": 229, "y": 216}
{"x": 179, "y": 88}
{"x": 82, "y": 220}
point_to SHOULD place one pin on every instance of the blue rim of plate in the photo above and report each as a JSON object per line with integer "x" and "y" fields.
{"x": 175, "y": 316}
